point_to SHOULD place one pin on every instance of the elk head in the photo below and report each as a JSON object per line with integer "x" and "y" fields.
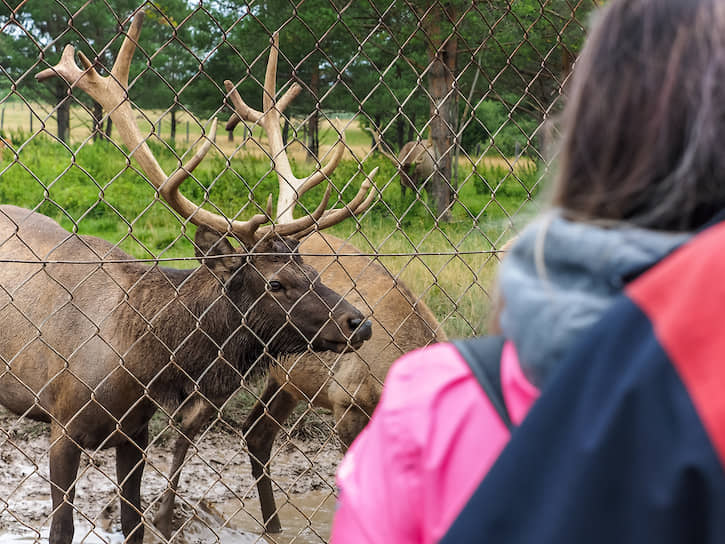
{"x": 293, "y": 309}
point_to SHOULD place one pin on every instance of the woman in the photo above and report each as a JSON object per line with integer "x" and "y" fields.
{"x": 590, "y": 312}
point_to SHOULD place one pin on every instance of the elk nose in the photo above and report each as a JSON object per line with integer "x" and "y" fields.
{"x": 362, "y": 331}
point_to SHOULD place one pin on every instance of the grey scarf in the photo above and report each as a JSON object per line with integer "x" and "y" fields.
{"x": 560, "y": 276}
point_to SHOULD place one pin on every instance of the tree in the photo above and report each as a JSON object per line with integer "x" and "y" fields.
{"x": 15, "y": 48}
{"x": 430, "y": 65}
{"x": 46, "y": 28}
{"x": 524, "y": 57}
{"x": 383, "y": 80}
{"x": 174, "y": 64}
{"x": 413, "y": 46}
{"x": 439, "y": 24}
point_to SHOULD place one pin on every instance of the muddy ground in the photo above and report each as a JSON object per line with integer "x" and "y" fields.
{"x": 217, "y": 497}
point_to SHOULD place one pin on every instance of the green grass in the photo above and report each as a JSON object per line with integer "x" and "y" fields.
{"x": 92, "y": 189}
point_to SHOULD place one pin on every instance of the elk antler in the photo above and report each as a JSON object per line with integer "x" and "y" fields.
{"x": 292, "y": 188}
{"x": 111, "y": 92}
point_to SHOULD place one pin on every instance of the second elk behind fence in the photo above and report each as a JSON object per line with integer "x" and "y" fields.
{"x": 97, "y": 342}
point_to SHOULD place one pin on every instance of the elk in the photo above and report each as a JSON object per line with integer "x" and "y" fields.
{"x": 416, "y": 161}
{"x": 349, "y": 385}
{"x": 94, "y": 342}
{"x": 417, "y": 164}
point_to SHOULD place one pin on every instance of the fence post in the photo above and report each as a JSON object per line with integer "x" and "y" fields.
{"x": 187, "y": 132}
{"x": 2, "y": 120}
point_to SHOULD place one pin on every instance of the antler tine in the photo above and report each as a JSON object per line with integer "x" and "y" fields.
{"x": 291, "y": 188}
{"x": 353, "y": 208}
{"x": 270, "y": 76}
{"x": 251, "y": 228}
{"x": 111, "y": 92}
{"x": 244, "y": 112}
{"x": 326, "y": 171}
{"x": 293, "y": 228}
{"x": 122, "y": 66}
{"x": 241, "y": 109}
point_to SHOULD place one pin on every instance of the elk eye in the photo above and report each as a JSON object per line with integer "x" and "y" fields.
{"x": 275, "y": 285}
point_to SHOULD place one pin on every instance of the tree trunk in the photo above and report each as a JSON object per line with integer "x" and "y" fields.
{"x": 173, "y": 125}
{"x": 412, "y": 131}
{"x": 97, "y": 121}
{"x": 442, "y": 57}
{"x": 313, "y": 142}
{"x": 63, "y": 111}
{"x": 400, "y": 126}
{"x": 109, "y": 128}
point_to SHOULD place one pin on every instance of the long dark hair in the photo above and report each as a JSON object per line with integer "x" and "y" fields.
{"x": 644, "y": 127}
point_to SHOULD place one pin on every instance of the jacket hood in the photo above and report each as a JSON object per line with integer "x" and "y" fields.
{"x": 560, "y": 276}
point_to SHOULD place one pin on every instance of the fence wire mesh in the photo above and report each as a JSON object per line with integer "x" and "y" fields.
{"x": 218, "y": 365}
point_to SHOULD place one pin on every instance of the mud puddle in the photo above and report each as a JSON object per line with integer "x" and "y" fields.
{"x": 306, "y": 519}
{"x": 217, "y": 501}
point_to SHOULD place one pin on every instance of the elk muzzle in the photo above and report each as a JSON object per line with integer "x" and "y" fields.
{"x": 346, "y": 330}
{"x": 357, "y": 330}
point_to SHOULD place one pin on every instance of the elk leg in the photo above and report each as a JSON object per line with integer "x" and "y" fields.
{"x": 129, "y": 469}
{"x": 194, "y": 416}
{"x": 349, "y": 422}
{"x": 260, "y": 429}
{"x": 65, "y": 457}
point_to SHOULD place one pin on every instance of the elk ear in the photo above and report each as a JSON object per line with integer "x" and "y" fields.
{"x": 210, "y": 243}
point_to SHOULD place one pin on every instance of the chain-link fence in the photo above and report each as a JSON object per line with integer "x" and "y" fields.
{"x": 427, "y": 121}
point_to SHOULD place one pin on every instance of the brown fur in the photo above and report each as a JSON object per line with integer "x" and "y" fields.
{"x": 417, "y": 164}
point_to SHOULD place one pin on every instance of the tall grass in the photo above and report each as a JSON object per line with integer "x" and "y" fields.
{"x": 93, "y": 189}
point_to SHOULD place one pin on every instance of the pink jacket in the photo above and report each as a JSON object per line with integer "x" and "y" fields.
{"x": 431, "y": 441}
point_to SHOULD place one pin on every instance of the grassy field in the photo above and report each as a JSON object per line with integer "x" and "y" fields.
{"x": 34, "y": 117}
{"x": 90, "y": 187}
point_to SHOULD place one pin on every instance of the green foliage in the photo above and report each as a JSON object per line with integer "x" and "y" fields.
{"x": 92, "y": 190}
{"x": 496, "y": 129}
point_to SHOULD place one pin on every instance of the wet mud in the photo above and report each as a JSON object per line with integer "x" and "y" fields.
{"x": 217, "y": 500}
